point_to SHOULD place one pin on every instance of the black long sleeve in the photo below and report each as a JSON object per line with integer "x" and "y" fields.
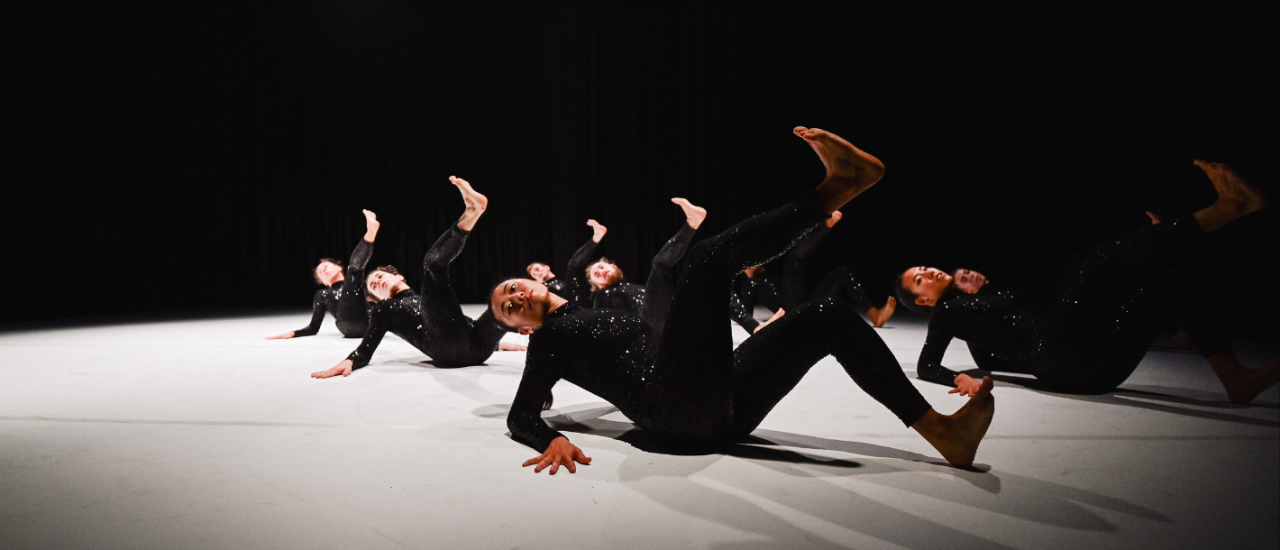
{"x": 319, "y": 305}
{"x": 609, "y": 352}
{"x": 993, "y": 320}
{"x": 402, "y": 315}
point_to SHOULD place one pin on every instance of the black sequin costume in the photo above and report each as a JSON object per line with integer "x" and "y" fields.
{"x": 793, "y": 288}
{"x": 433, "y": 322}
{"x": 761, "y": 290}
{"x": 574, "y": 287}
{"x": 346, "y": 302}
{"x": 1104, "y": 316}
{"x": 843, "y": 283}
{"x": 692, "y": 385}
{"x": 651, "y": 301}
{"x": 741, "y": 314}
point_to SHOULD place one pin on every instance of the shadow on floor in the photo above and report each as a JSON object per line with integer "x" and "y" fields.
{"x": 826, "y": 489}
{"x": 1152, "y": 393}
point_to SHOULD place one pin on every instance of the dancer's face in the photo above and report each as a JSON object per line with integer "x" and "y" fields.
{"x": 969, "y": 280}
{"x": 928, "y": 284}
{"x": 603, "y": 274}
{"x": 540, "y": 272}
{"x": 381, "y": 284}
{"x": 328, "y": 273}
{"x": 520, "y": 303}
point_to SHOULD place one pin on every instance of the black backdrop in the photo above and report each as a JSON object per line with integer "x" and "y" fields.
{"x": 168, "y": 156}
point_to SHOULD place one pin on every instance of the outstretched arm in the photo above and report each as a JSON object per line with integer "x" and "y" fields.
{"x": 358, "y": 358}
{"x": 929, "y": 366}
{"x": 317, "y": 318}
{"x": 525, "y": 418}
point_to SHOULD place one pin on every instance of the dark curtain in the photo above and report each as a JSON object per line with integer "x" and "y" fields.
{"x": 167, "y": 155}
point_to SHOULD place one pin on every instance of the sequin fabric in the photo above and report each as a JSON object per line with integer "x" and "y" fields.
{"x": 841, "y": 282}
{"x": 573, "y": 287}
{"x": 346, "y": 302}
{"x": 433, "y": 322}
{"x": 651, "y": 301}
{"x": 1105, "y": 314}
{"x": 996, "y": 319}
{"x": 762, "y": 290}
{"x": 691, "y": 385}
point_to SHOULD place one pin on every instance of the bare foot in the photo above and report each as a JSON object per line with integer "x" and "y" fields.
{"x": 1236, "y": 196}
{"x": 476, "y": 203}
{"x": 850, "y": 171}
{"x": 834, "y": 219}
{"x": 881, "y": 316}
{"x": 599, "y": 231}
{"x": 775, "y": 317}
{"x": 1242, "y": 383}
{"x": 693, "y": 215}
{"x": 957, "y": 436}
{"x": 1155, "y": 218}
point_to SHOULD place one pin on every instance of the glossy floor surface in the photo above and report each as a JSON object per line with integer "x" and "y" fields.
{"x": 199, "y": 433}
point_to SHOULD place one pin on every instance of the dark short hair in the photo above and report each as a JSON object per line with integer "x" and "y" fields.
{"x": 906, "y": 298}
{"x": 385, "y": 268}
{"x": 323, "y": 260}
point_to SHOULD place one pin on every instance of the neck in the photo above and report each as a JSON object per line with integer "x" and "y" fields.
{"x": 555, "y": 302}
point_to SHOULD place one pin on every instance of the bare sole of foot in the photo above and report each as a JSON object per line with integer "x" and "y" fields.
{"x": 957, "y": 436}
{"x": 693, "y": 215}
{"x": 881, "y": 316}
{"x": 1247, "y": 383}
{"x": 1236, "y": 196}
{"x": 850, "y": 170}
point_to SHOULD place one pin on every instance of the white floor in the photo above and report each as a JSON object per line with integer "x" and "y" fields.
{"x": 201, "y": 434}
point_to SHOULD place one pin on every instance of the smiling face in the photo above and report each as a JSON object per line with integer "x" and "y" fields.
{"x": 928, "y": 284}
{"x": 521, "y": 304}
{"x": 603, "y": 274}
{"x": 382, "y": 285}
{"x": 328, "y": 273}
{"x": 540, "y": 272}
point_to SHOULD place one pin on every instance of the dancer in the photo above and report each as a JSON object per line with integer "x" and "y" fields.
{"x": 433, "y": 322}
{"x": 692, "y": 386}
{"x": 573, "y": 288}
{"x": 1104, "y": 316}
{"x": 610, "y": 290}
{"x": 346, "y": 302}
{"x": 840, "y": 282}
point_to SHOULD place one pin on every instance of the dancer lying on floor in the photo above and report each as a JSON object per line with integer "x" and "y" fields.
{"x": 1104, "y": 315}
{"x": 692, "y": 386}
{"x": 788, "y": 292}
{"x": 346, "y": 302}
{"x": 433, "y": 322}
{"x": 573, "y": 288}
